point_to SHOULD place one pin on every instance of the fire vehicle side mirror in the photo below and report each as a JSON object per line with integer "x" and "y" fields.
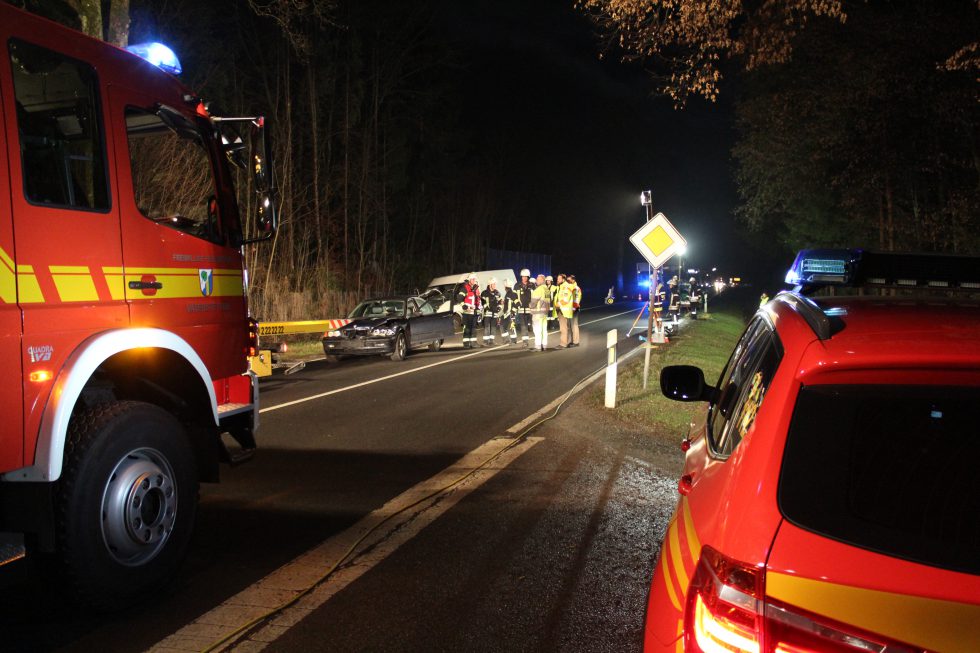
{"x": 263, "y": 181}
{"x": 686, "y": 383}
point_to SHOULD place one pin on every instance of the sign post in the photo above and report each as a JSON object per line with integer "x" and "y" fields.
{"x": 657, "y": 240}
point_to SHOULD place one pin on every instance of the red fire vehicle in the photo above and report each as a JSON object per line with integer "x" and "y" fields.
{"x": 829, "y": 499}
{"x": 123, "y": 319}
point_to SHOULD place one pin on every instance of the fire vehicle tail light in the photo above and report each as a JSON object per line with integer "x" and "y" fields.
{"x": 723, "y": 606}
{"x": 252, "y": 349}
{"x": 727, "y": 612}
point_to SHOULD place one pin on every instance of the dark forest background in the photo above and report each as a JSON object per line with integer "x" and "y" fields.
{"x": 866, "y": 137}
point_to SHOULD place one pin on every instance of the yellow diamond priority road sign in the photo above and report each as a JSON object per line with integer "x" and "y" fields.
{"x": 658, "y": 240}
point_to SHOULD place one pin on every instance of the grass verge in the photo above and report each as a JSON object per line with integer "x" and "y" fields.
{"x": 704, "y": 343}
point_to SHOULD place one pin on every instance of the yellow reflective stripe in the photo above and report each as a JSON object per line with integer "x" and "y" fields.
{"x": 932, "y": 624}
{"x": 117, "y": 283}
{"x": 8, "y": 279}
{"x": 74, "y": 283}
{"x": 28, "y": 289}
{"x": 668, "y": 580}
{"x": 679, "y": 647}
{"x": 677, "y": 559}
{"x": 693, "y": 543}
{"x": 177, "y": 283}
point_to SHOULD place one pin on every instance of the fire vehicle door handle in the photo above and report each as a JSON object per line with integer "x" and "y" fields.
{"x": 145, "y": 285}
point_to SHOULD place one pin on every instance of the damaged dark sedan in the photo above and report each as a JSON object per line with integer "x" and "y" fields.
{"x": 389, "y": 326}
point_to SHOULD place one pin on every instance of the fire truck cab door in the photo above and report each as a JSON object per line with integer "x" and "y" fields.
{"x": 65, "y": 225}
{"x": 180, "y": 273}
{"x": 11, "y": 396}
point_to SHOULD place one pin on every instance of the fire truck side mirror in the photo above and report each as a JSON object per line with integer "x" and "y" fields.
{"x": 263, "y": 181}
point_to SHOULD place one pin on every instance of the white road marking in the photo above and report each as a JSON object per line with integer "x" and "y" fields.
{"x": 292, "y": 578}
{"x": 377, "y": 380}
{"x": 606, "y": 318}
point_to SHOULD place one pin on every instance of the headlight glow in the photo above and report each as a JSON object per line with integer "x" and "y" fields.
{"x": 383, "y": 332}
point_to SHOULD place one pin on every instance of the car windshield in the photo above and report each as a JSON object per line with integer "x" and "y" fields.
{"x": 887, "y": 468}
{"x": 379, "y": 308}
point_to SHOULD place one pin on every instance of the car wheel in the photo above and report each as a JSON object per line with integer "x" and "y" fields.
{"x": 332, "y": 359}
{"x": 125, "y": 503}
{"x": 435, "y": 345}
{"x": 401, "y": 347}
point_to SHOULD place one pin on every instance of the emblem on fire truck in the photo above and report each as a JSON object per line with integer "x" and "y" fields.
{"x": 206, "y": 278}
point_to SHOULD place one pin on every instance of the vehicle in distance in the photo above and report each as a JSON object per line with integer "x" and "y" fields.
{"x": 829, "y": 497}
{"x": 442, "y": 291}
{"x": 389, "y": 326}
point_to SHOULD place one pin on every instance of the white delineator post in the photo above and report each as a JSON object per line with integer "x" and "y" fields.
{"x": 611, "y": 366}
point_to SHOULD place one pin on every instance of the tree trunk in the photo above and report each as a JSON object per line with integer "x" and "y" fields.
{"x": 90, "y": 15}
{"x": 118, "y": 26}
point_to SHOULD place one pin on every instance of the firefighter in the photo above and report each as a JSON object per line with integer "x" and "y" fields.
{"x": 549, "y": 283}
{"x": 540, "y": 308}
{"x": 468, "y": 297}
{"x": 508, "y": 314}
{"x": 491, "y": 312}
{"x": 576, "y": 307}
{"x": 523, "y": 307}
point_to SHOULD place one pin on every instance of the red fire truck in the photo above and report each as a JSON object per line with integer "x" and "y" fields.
{"x": 124, "y": 329}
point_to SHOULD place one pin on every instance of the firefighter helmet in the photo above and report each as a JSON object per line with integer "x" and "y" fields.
{"x": 525, "y": 273}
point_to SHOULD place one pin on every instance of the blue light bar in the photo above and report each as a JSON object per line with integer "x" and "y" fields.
{"x": 159, "y": 55}
{"x": 823, "y": 266}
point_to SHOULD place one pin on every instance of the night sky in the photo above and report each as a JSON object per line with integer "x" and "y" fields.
{"x": 582, "y": 136}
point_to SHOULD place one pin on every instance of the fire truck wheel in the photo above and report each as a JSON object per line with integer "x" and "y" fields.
{"x": 401, "y": 347}
{"x": 435, "y": 345}
{"x": 125, "y": 503}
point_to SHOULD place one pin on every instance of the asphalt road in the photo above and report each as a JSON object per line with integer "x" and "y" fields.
{"x": 551, "y": 551}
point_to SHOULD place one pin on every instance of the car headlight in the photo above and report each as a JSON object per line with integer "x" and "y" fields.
{"x": 383, "y": 332}
{"x": 333, "y": 334}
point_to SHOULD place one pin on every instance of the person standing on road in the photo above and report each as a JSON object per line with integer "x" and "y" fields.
{"x": 523, "y": 304}
{"x": 549, "y": 283}
{"x": 468, "y": 298}
{"x": 576, "y": 307}
{"x": 540, "y": 307}
{"x": 508, "y": 314}
{"x": 563, "y": 304}
{"x": 491, "y": 312}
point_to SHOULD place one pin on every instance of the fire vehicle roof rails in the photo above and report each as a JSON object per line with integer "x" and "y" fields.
{"x": 816, "y": 269}
{"x": 823, "y": 325}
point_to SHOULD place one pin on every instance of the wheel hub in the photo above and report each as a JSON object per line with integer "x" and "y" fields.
{"x": 139, "y": 507}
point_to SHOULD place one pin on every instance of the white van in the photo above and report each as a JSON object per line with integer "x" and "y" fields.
{"x": 448, "y": 286}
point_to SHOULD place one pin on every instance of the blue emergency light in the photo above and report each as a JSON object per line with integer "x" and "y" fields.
{"x": 823, "y": 267}
{"x": 159, "y": 55}
{"x": 818, "y": 268}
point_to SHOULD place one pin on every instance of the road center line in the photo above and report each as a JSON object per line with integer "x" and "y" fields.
{"x": 295, "y": 576}
{"x": 377, "y": 380}
{"x": 606, "y": 318}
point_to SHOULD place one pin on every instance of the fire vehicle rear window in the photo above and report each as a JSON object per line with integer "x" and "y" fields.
{"x": 887, "y": 468}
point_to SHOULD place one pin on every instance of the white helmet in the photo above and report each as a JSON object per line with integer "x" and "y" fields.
{"x": 472, "y": 277}
{"x": 549, "y": 278}
{"x": 492, "y": 282}
{"x": 525, "y": 272}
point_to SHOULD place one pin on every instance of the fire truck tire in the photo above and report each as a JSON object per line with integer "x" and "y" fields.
{"x": 401, "y": 347}
{"x": 125, "y": 504}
